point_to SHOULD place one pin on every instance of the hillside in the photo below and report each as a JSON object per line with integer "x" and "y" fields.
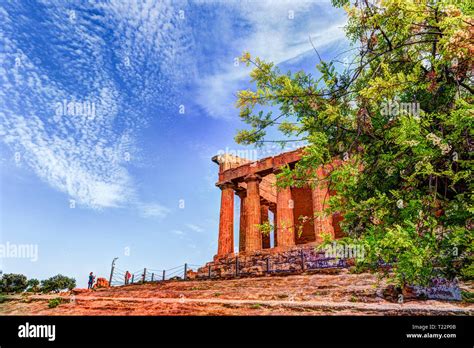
{"x": 315, "y": 294}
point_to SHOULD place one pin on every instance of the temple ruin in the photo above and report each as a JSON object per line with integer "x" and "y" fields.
{"x": 297, "y": 212}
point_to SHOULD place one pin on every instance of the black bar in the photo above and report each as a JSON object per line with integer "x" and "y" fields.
{"x": 332, "y": 330}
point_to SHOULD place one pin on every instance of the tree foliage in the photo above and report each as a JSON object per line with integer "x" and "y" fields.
{"x": 58, "y": 283}
{"x": 11, "y": 282}
{"x": 398, "y": 117}
{"x": 33, "y": 285}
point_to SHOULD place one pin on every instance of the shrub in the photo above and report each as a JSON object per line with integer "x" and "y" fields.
{"x": 13, "y": 283}
{"x": 467, "y": 296}
{"x": 58, "y": 283}
{"x": 55, "y": 302}
{"x": 467, "y": 272}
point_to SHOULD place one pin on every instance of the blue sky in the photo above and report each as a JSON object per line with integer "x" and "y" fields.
{"x": 162, "y": 80}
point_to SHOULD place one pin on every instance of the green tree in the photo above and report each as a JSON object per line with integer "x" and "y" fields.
{"x": 33, "y": 285}
{"x": 58, "y": 283}
{"x": 397, "y": 121}
{"x": 11, "y": 282}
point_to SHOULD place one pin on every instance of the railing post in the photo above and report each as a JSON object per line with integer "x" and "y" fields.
{"x": 111, "y": 274}
{"x": 112, "y": 267}
{"x": 268, "y": 264}
{"x": 185, "y": 271}
{"x": 164, "y": 273}
{"x": 152, "y": 276}
{"x": 209, "y": 272}
{"x": 133, "y": 277}
{"x": 144, "y": 275}
{"x": 236, "y": 266}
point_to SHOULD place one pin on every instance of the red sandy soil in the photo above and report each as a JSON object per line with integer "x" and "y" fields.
{"x": 316, "y": 294}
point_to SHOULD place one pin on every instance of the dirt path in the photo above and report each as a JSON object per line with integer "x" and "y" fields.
{"x": 419, "y": 308}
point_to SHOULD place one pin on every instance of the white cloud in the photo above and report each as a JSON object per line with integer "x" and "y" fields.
{"x": 153, "y": 210}
{"x": 195, "y": 228}
{"x": 86, "y": 157}
{"x": 274, "y": 38}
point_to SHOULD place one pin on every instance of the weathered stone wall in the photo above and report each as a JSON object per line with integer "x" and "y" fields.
{"x": 272, "y": 261}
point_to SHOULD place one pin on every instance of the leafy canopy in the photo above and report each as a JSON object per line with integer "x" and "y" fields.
{"x": 58, "y": 283}
{"x": 399, "y": 118}
{"x": 11, "y": 282}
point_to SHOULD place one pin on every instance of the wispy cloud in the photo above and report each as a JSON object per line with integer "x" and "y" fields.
{"x": 153, "y": 210}
{"x": 86, "y": 53}
{"x": 178, "y": 232}
{"x": 127, "y": 58}
{"x": 195, "y": 228}
{"x": 279, "y": 32}
{"x": 184, "y": 237}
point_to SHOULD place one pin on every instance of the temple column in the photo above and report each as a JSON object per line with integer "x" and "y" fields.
{"x": 242, "y": 225}
{"x": 320, "y": 195}
{"x": 225, "y": 243}
{"x": 275, "y": 230}
{"x": 264, "y": 219}
{"x": 285, "y": 218}
{"x": 253, "y": 236}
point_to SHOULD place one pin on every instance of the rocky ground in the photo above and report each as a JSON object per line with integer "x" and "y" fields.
{"x": 315, "y": 294}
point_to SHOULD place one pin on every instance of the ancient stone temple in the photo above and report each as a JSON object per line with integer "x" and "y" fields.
{"x": 296, "y": 214}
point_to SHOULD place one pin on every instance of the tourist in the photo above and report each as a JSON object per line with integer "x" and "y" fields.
{"x": 127, "y": 277}
{"x": 91, "y": 280}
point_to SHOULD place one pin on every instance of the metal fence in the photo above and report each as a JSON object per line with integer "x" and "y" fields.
{"x": 272, "y": 267}
{"x": 117, "y": 275}
{"x": 234, "y": 269}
